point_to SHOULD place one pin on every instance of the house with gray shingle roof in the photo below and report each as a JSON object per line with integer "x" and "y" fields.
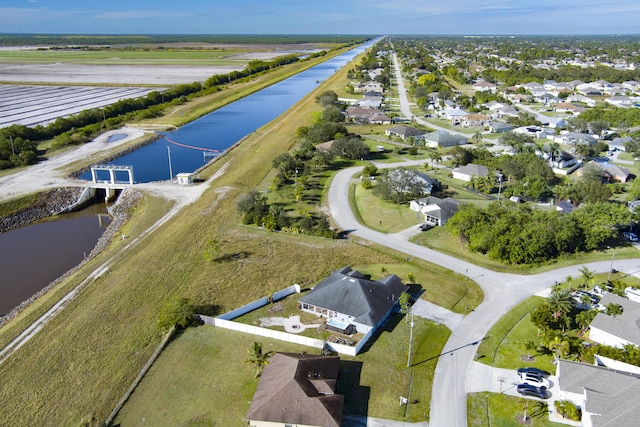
{"x": 467, "y": 172}
{"x": 297, "y": 389}
{"x": 607, "y": 397}
{"x": 349, "y": 297}
{"x": 442, "y": 138}
{"x": 436, "y": 211}
{"x": 404, "y": 132}
{"x": 617, "y": 331}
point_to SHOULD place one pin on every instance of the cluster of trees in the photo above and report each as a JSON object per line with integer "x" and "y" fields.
{"x": 253, "y": 68}
{"x": 518, "y": 234}
{"x": 399, "y": 185}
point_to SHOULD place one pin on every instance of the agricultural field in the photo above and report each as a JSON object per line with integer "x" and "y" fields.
{"x": 41, "y": 105}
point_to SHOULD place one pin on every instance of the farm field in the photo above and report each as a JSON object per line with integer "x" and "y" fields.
{"x": 40, "y": 105}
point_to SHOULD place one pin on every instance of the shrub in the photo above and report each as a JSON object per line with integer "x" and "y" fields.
{"x": 567, "y": 409}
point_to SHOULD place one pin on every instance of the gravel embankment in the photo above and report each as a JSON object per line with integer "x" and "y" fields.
{"x": 49, "y": 203}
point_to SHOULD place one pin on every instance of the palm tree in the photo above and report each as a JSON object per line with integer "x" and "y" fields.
{"x": 477, "y": 138}
{"x": 258, "y": 358}
{"x": 384, "y": 270}
{"x": 435, "y": 156}
{"x": 561, "y": 346}
{"x": 554, "y": 151}
{"x": 560, "y": 302}
{"x": 587, "y": 276}
{"x": 411, "y": 278}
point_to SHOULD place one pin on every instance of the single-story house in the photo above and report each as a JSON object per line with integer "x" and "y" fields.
{"x": 399, "y": 179}
{"x": 379, "y": 119}
{"x": 442, "y": 138}
{"x": 347, "y": 297}
{"x": 552, "y": 122}
{"x": 567, "y": 107}
{"x": 564, "y": 206}
{"x": 469, "y": 171}
{"x": 581, "y": 98}
{"x": 484, "y": 86}
{"x": 471, "y": 120}
{"x": 403, "y": 132}
{"x": 452, "y": 113}
{"x": 297, "y": 389}
{"x": 606, "y": 397}
{"x": 436, "y": 211}
{"x": 575, "y": 138}
{"x": 619, "y": 101}
{"x": 534, "y": 131}
{"x": 617, "y": 331}
{"x": 619, "y": 143}
{"x": 506, "y": 111}
{"x": 499, "y": 127}
{"x": 610, "y": 171}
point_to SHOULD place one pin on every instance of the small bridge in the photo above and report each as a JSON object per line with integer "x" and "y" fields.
{"x": 115, "y": 181}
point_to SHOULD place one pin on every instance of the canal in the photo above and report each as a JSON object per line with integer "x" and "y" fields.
{"x": 35, "y": 255}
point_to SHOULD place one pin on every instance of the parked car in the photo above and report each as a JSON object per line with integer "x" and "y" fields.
{"x": 536, "y": 380}
{"x": 630, "y": 236}
{"x": 534, "y": 371}
{"x": 425, "y": 227}
{"x": 531, "y": 390}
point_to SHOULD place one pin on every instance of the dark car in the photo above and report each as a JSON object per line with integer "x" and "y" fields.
{"x": 531, "y": 390}
{"x": 533, "y": 371}
{"x": 425, "y": 227}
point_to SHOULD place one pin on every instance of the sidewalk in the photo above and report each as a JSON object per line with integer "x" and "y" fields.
{"x": 361, "y": 421}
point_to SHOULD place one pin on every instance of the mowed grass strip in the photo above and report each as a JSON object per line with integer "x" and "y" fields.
{"x": 201, "y": 379}
{"x": 501, "y": 410}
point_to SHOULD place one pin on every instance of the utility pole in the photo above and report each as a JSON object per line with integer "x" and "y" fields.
{"x": 611, "y": 266}
{"x": 410, "y": 343}
{"x": 170, "y": 167}
{"x": 13, "y": 150}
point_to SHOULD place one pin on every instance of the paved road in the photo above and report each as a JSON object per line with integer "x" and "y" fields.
{"x": 502, "y": 292}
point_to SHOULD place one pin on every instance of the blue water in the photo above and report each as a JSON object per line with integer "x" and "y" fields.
{"x": 222, "y": 128}
{"x": 116, "y": 137}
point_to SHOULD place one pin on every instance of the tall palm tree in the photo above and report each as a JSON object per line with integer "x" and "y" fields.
{"x": 561, "y": 346}
{"x": 560, "y": 302}
{"x": 477, "y": 138}
{"x": 257, "y": 358}
{"x": 587, "y": 276}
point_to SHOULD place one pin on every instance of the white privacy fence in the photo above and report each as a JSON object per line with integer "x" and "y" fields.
{"x": 225, "y": 321}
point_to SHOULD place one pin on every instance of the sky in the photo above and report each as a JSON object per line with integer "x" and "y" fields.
{"x": 464, "y": 17}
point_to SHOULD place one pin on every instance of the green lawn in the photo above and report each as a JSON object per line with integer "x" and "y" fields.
{"x": 382, "y": 215}
{"x": 499, "y": 410}
{"x": 200, "y": 378}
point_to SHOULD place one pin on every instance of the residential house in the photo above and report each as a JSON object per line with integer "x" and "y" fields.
{"x": 357, "y": 114}
{"x": 484, "y": 86}
{"x": 619, "y": 143}
{"x": 567, "y": 107}
{"x": 498, "y": 127}
{"x": 619, "y": 101}
{"x": 442, "y": 138}
{"x": 400, "y": 177}
{"x": 452, "y": 113}
{"x": 583, "y": 99}
{"x": 379, "y": 119}
{"x": 505, "y": 111}
{"x": 565, "y": 206}
{"x": 403, "y": 132}
{"x": 370, "y": 102}
{"x": 575, "y": 138}
{"x": 550, "y": 121}
{"x": 617, "y": 331}
{"x": 606, "y": 397}
{"x": 610, "y": 171}
{"x": 297, "y": 389}
{"x": 469, "y": 171}
{"x": 436, "y": 211}
{"x": 347, "y": 297}
{"x": 494, "y": 105}
{"x": 471, "y": 120}
{"x": 562, "y": 160}
{"x": 535, "y": 132}
{"x": 369, "y": 86}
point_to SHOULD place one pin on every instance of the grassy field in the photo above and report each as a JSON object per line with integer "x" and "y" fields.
{"x": 79, "y": 365}
{"x": 175, "y": 391}
{"x": 499, "y": 410}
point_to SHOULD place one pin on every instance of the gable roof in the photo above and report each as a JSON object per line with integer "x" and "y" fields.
{"x": 437, "y": 207}
{"x": 347, "y": 291}
{"x": 611, "y": 394}
{"x": 405, "y": 131}
{"x": 626, "y": 325}
{"x": 473, "y": 170}
{"x": 298, "y": 389}
{"x": 443, "y": 137}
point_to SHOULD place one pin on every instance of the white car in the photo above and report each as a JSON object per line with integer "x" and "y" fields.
{"x": 535, "y": 380}
{"x": 630, "y": 236}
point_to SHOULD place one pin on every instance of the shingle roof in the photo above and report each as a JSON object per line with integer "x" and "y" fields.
{"x": 473, "y": 170}
{"x": 626, "y": 325}
{"x": 298, "y": 389}
{"x": 405, "y": 131}
{"x": 611, "y": 394}
{"x": 347, "y": 291}
{"x": 444, "y": 137}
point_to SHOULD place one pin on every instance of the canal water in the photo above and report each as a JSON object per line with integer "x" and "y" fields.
{"x": 34, "y": 256}
{"x": 222, "y": 128}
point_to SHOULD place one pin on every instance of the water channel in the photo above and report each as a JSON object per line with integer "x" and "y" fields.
{"x": 35, "y": 255}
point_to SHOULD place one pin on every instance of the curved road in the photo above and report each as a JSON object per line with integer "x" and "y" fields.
{"x": 502, "y": 292}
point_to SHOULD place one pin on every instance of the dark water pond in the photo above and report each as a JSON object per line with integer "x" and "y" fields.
{"x": 34, "y": 256}
{"x": 116, "y": 137}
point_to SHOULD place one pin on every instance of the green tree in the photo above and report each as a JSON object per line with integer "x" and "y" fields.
{"x": 560, "y": 302}
{"x": 560, "y": 346}
{"x": 613, "y": 309}
{"x": 587, "y": 276}
{"x": 177, "y": 311}
{"x": 257, "y": 357}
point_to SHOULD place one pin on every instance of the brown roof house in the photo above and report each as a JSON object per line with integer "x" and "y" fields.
{"x": 297, "y": 390}
{"x": 349, "y": 300}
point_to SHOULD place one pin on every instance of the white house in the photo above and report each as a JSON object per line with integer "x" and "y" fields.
{"x": 436, "y": 211}
{"x": 442, "y": 138}
{"x": 617, "y": 331}
{"x": 465, "y": 173}
{"x": 619, "y": 101}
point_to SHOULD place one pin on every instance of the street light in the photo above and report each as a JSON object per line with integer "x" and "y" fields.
{"x": 611, "y": 266}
